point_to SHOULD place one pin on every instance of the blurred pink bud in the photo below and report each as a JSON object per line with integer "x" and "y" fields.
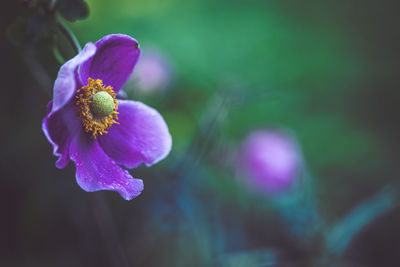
{"x": 270, "y": 160}
{"x": 153, "y": 73}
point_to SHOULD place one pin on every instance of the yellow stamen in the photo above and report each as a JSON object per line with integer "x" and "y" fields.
{"x": 84, "y": 97}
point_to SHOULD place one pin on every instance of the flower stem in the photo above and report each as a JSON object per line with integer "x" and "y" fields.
{"x": 38, "y": 72}
{"x": 52, "y": 5}
{"x": 69, "y": 35}
{"x": 339, "y": 237}
{"x": 58, "y": 56}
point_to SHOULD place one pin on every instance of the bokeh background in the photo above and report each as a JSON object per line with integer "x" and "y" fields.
{"x": 325, "y": 71}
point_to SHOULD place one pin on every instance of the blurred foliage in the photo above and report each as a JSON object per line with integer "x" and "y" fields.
{"x": 38, "y": 26}
{"x": 73, "y": 9}
{"x": 293, "y": 73}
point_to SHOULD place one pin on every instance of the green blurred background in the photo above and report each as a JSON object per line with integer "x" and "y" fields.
{"x": 325, "y": 70}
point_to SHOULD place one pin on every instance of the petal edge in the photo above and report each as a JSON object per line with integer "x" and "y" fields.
{"x": 141, "y": 137}
{"x": 65, "y": 84}
{"x": 114, "y": 61}
{"x": 95, "y": 171}
{"x": 59, "y": 127}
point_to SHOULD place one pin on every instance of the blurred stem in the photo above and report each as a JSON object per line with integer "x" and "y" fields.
{"x": 38, "y": 71}
{"x": 58, "y": 56}
{"x": 108, "y": 230}
{"x": 339, "y": 237}
{"x": 299, "y": 209}
{"x": 217, "y": 117}
{"x": 52, "y": 5}
{"x": 69, "y": 35}
{"x": 212, "y": 119}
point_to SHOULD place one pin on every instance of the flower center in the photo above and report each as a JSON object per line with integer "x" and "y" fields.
{"x": 102, "y": 104}
{"x": 97, "y": 106}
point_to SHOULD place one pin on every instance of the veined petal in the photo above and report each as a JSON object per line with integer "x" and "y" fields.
{"x": 114, "y": 61}
{"x": 65, "y": 84}
{"x": 59, "y": 127}
{"x": 141, "y": 137}
{"x": 96, "y": 171}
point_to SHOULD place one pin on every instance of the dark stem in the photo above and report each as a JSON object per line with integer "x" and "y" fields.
{"x": 108, "y": 230}
{"x": 69, "y": 35}
{"x": 58, "y": 55}
{"x": 52, "y": 6}
{"x": 38, "y": 71}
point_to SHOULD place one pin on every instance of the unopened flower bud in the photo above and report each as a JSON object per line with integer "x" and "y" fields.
{"x": 269, "y": 161}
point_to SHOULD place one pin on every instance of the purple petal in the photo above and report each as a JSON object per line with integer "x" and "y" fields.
{"x": 141, "y": 137}
{"x": 96, "y": 171}
{"x": 113, "y": 62}
{"x": 59, "y": 127}
{"x": 65, "y": 84}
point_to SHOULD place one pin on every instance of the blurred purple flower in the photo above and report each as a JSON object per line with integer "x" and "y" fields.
{"x": 88, "y": 125}
{"x": 153, "y": 73}
{"x": 270, "y": 161}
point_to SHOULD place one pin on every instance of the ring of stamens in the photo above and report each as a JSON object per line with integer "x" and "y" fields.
{"x": 92, "y": 124}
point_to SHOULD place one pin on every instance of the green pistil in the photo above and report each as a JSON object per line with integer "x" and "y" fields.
{"x": 102, "y": 104}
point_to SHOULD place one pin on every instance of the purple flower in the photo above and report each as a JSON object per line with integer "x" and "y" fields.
{"x": 153, "y": 73}
{"x": 270, "y": 160}
{"x": 85, "y": 122}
